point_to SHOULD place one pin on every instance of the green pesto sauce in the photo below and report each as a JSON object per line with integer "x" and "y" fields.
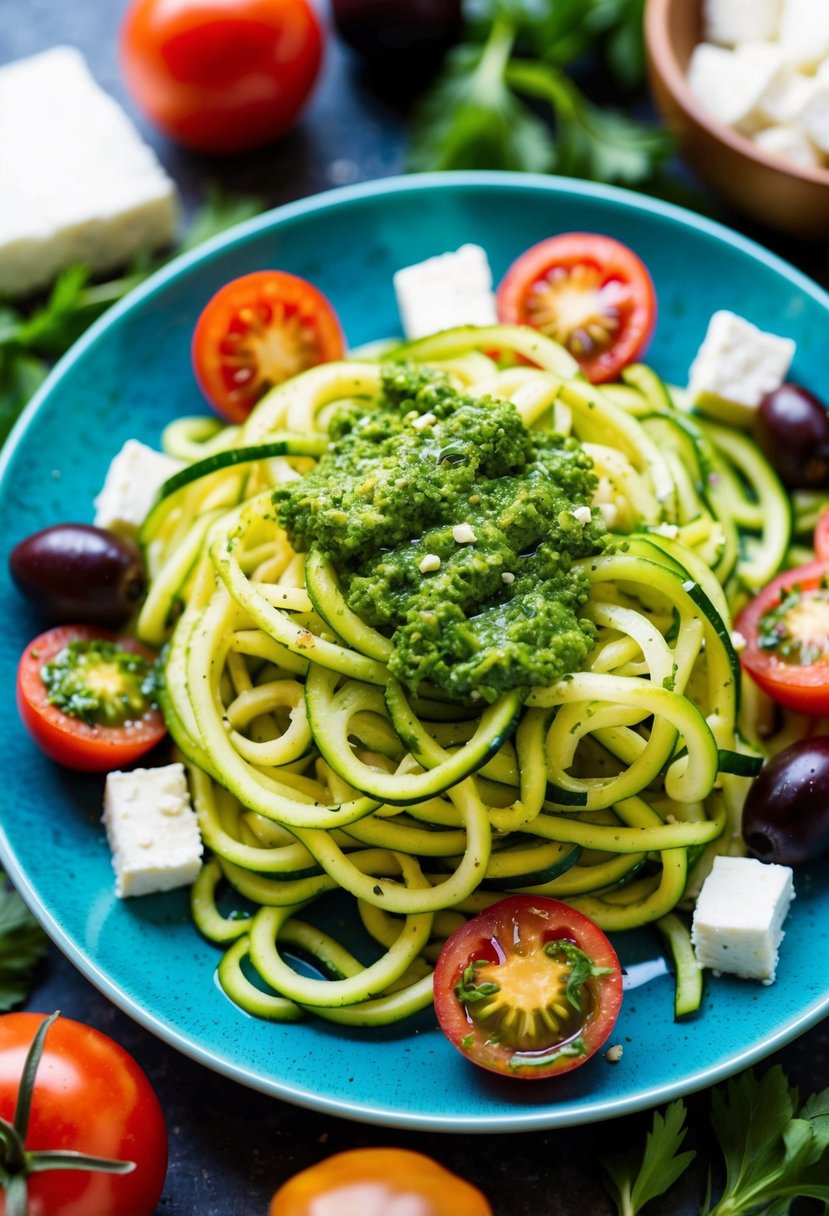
{"x": 501, "y": 611}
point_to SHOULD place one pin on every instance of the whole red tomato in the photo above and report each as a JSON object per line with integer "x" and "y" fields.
{"x": 221, "y": 76}
{"x": 89, "y": 1096}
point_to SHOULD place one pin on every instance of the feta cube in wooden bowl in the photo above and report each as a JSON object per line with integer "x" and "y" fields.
{"x": 744, "y": 84}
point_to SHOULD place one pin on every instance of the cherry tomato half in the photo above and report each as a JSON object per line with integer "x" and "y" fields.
{"x": 376, "y": 1181}
{"x": 80, "y": 742}
{"x": 588, "y": 292}
{"x": 221, "y": 76}
{"x": 529, "y": 988}
{"x": 786, "y": 631}
{"x": 89, "y": 1096}
{"x": 257, "y": 331}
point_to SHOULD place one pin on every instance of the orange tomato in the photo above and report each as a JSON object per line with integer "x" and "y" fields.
{"x": 370, "y": 1180}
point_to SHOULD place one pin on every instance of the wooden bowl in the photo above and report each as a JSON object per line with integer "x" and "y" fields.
{"x": 789, "y": 198}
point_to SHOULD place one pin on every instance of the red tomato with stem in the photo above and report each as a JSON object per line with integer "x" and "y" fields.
{"x": 112, "y": 678}
{"x": 89, "y": 1096}
{"x": 257, "y": 331}
{"x": 786, "y": 631}
{"x": 590, "y": 293}
{"x": 221, "y": 76}
{"x": 528, "y": 988}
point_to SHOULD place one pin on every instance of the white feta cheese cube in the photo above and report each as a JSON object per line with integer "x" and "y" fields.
{"x": 132, "y": 482}
{"x": 732, "y": 84}
{"x": 729, "y": 22}
{"x": 738, "y": 921}
{"x": 736, "y": 365}
{"x": 785, "y": 98}
{"x": 814, "y": 117}
{"x": 790, "y": 143}
{"x": 77, "y": 182}
{"x": 444, "y": 291}
{"x": 152, "y": 830}
{"x": 804, "y": 33}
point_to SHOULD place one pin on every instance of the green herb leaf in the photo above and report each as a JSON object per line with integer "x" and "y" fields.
{"x": 474, "y": 116}
{"x": 624, "y": 49}
{"x": 602, "y": 145}
{"x": 581, "y": 969}
{"x": 21, "y": 375}
{"x": 22, "y": 944}
{"x": 219, "y": 212}
{"x": 773, "y": 1153}
{"x": 468, "y": 990}
{"x": 633, "y": 1181}
{"x": 470, "y": 119}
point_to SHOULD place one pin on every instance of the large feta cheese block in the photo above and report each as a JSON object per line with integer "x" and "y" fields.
{"x": 731, "y": 21}
{"x": 152, "y": 830}
{"x": 133, "y": 480}
{"x": 738, "y": 921}
{"x": 444, "y": 291}
{"x": 77, "y": 182}
{"x": 736, "y": 365}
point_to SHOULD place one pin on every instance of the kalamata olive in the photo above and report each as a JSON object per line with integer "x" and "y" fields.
{"x": 396, "y": 33}
{"x": 786, "y": 813}
{"x": 792, "y": 428}
{"x": 77, "y": 572}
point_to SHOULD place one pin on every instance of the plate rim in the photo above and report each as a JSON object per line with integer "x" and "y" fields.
{"x": 575, "y": 1112}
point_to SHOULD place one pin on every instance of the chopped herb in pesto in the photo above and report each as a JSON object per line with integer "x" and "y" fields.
{"x": 453, "y": 528}
{"x": 101, "y": 683}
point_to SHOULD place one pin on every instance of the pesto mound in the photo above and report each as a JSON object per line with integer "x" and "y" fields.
{"x": 453, "y": 528}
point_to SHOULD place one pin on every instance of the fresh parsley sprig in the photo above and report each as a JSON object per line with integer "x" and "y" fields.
{"x": 508, "y": 98}
{"x": 775, "y": 1151}
{"x": 22, "y": 944}
{"x": 31, "y": 338}
{"x": 636, "y": 1178}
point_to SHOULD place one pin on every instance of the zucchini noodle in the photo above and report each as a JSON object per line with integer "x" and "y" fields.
{"x": 314, "y": 770}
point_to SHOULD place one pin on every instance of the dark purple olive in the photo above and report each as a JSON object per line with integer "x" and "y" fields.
{"x": 792, "y": 428}
{"x": 395, "y": 33}
{"x": 786, "y": 813}
{"x": 76, "y": 573}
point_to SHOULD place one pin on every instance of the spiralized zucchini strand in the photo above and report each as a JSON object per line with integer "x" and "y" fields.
{"x": 315, "y": 771}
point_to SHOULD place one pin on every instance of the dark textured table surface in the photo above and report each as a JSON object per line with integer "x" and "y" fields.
{"x": 230, "y": 1147}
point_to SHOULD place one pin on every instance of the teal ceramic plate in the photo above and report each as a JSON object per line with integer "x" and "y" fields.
{"x": 128, "y": 377}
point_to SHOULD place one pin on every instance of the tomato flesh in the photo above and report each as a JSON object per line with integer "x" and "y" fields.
{"x": 376, "y": 1181}
{"x": 588, "y": 292}
{"x": 70, "y": 740}
{"x": 258, "y": 331}
{"x": 90, "y": 1096}
{"x": 529, "y": 988}
{"x": 821, "y": 539}
{"x": 221, "y": 76}
{"x": 786, "y": 631}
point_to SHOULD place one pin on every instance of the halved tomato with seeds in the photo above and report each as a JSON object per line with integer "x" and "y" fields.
{"x": 588, "y": 292}
{"x": 786, "y": 631}
{"x": 528, "y": 988}
{"x": 257, "y": 331}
